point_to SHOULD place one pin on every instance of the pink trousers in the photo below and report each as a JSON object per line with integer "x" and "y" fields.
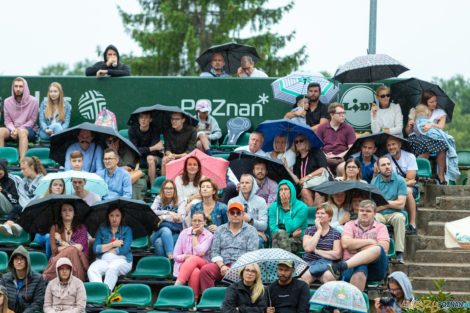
{"x": 190, "y": 272}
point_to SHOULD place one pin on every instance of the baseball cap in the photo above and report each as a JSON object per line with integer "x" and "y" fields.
{"x": 203, "y": 105}
{"x": 289, "y": 263}
{"x": 235, "y": 206}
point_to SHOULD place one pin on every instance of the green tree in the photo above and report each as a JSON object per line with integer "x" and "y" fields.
{"x": 62, "y": 69}
{"x": 173, "y": 33}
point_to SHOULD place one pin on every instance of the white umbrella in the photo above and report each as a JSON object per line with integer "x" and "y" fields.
{"x": 94, "y": 183}
{"x": 341, "y": 295}
{"x": 457, "y": 234}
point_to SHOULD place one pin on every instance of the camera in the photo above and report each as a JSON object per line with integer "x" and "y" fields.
{"x": 387, "y": 301}
{"x": 282, "y": 226}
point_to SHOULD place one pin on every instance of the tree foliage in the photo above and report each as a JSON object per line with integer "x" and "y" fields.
{"x": 62, "y": 69}
{"x": 173, "y": 33}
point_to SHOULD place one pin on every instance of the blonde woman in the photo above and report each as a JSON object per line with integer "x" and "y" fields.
{"x": 248, "y": 294}
{"x": 54, "y": 113}
{"x": 386, "y": 116}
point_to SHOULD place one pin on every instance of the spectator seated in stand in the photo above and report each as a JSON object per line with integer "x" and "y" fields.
{"x": 118, "y": 179}
{"x": 353, "y": 171}
{"x": 299, "y": 112}
{"x": 387, "y": 116}
{"x": 247, "y": 68}
{"x": 110, "y": 66}
{"x": 208, "y": 129}
{"x": 217, "y": 67}
{"x": 88, "y": 196}
{"x": 267, "y": 188}
{"x": 282, "y": 151}
{"x": 91, "y": 151}
{"x": 188, "y": 182}
{"x": 366, "y": 158}
{"x": 76, "y": 160}
{"x": 54, "y": 113}
{"x": 214, "y": 211}
{"x": 339, "y": 205}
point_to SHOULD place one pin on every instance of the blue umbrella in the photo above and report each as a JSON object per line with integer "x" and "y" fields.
{"x": 272, "y": 128}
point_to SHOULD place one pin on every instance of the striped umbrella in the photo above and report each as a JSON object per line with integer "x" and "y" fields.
{"x": 369, "y": 68}
{"x": 287, "y": 88}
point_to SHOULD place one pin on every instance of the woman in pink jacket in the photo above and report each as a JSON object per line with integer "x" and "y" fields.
{"x": 190, "y": 252}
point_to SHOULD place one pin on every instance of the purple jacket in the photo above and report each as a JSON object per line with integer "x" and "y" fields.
{"x": 184, "y": 246}
{"x": 23, "y": 114}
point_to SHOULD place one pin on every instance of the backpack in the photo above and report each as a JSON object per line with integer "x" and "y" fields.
{"x": 106, "y": 118}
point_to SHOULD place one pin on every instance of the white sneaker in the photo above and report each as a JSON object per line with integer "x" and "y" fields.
{"x": 5, "y": 230}
{"x": 16, "y": 229}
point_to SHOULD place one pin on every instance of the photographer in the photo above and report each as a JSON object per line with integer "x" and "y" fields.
{"x": 400, "y": 289}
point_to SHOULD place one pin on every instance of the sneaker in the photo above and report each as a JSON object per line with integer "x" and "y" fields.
{"x": 399, "y": 258}
{"x": 17, "y": 230}
{"x": 335, "y": 269}
{"x": 412, "y": 230}
{"x": 5, "y": 230}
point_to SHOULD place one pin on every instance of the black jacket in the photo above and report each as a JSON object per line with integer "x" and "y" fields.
{"x": 239, "y": 296}
{"x": 143, "y": 141}
{"x": 8, "y": 185}
{"x": 120, "y": 70}
{"x": 293, "y": 298}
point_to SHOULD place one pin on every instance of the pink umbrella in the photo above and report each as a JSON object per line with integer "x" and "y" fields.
{"x": 215, "y": 168}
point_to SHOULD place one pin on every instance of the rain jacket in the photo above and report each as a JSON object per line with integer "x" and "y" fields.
{"x": 69, "y": 297}
{"x": 23, "y": 114}
{"x": 214, "y": 131}
{"x": 295, "y": 218}
{"x": 31, "y": 294}
{"x": 120, "y": 70}
{"x": 239, "y": 296}
{"x": 405, "y": 285}
{"x": 8, "y": 185}
{"x": 255, "y": 206}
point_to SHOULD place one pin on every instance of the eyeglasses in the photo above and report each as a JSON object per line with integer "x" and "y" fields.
{"x": 109, "y": 159}
{"x": 394, "y": 289}
{"x": 249, "y": 271}
{"x": 299, "y": 141}
{"x": 385, "y": 96}
{"x": 340, "y": 113}
{"x": 19, "y": 260}
{"x": 237, "y": 213}
{"x": 351, "y": 167}
{"x": 168, "y": 188}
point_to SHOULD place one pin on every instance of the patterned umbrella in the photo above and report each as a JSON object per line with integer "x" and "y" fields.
{"x": 369, "y": 68}
{"x": 341, "y": 295}
{"x": 267, "y": 260}
{"x": 94, "y": 182}
{"x": 287, "y": 88}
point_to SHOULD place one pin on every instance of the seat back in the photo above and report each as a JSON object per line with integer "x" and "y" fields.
{"x": 140, "y": 243}
{"x": 10, "y": 154}
{"x": 124, "y": 133}
{"x": 424, "y": 168}
{"x": 175, "y": 297}
{"x": 464, "y": 158}
{"x": 96, "y": 293}
{"x": 152, "y": 266}
{"x": 3, "y": 261}
{"x": 134, "y": 295}
{"x": 391, "y": 249}
{"x": 311, "y": 215}
{"x": 42, "y": 154}
{"x": 212, "y": 298}
{"x": 38, "y": 261}
{"x": 157, "y": 184}
{"x": 235, "y": 127}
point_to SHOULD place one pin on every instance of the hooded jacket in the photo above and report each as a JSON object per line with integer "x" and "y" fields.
{"x": 405, "y": 285}
{"x": 239, "y": 296}
{"x": 8, "y": 185}
{"x": 295, "y": 217}
{"x": 31, "y": 294}
{"x": 69, "y": 297}
{"x": 120, "y": 70}
{"x": 23, "y": 114}
{"x": 255, "y": 206}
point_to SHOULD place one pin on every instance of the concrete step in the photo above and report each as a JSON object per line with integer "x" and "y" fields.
{"x": 443, "y": 270}
{"x": 444, "y": 256}
{"x": 433, "y": 228}
{"x": 431, "y": 243}
{"x": 457, "y": 295}
{"x": 458, "y": 284}
{"x": 453, "y": 203}
{"x": 427, "y": 214}
{"x": 434, "y": 191}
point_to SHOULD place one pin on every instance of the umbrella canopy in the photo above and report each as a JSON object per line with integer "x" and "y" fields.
{"x": 242, "y": 162}
{"x": 160, "y": 115}
{"x": 138, "y": 216}
{"x": 40, "y": 214}
{"x": 232, "y": 53}
{"x": 369, "y": 68}
{"x": 457, "y": 234}
{"x": 287, "y": 88}
{"x": 341, "y": 295}
{"x": 61, "y": 141}
{"x": 94, "y": 182}
{"x": 408, "y": 94}
{"x": 215, "y": 168}
{"x": 380, "y": 140}
{"x": 272, "y": 128}
{"x": 267, "y": 260}
{"x": 332, "y": 187}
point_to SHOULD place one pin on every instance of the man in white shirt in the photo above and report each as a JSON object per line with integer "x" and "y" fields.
{"x": 247, "y": 68}
{"x": 255, "y": 143}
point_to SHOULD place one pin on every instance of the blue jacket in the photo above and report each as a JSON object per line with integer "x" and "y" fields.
{"x": 104, "y": 236}
{"x": 218, "y": 215}
{"x": 44, "y": 123}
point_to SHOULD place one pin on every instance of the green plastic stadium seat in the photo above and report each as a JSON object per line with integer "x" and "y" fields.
{"x": 464, "y": 159}
{"x": 222, "y": 155}
{"x": 38, "y": 261}
{"x": 140, "y": 243}
{"x": 17, "y": 173}
{"x": 10, "y": 154}
{"x": 152, "y": 266}
{"x": 366, "y": 299}
{"x": 157, "y": 184}
{"x": 15, "y": 241}
{"x": 311, "y": 215}
{"x": 178, "y": 297}
{"x": 35, "y": 245}
{"x": 391, "y": 249}
{"x": 3, "y": 261}
{"x": 124, "y": 133}
{"x": 424, "y": 168}
{"x": 242, "y": 141}
{"x": 212, "y": 298}
{"x": 314, "y": 307}
{"x": 42, "y": 154}
{"x": 96, "y": 293}
{"x": 134, "y": 295}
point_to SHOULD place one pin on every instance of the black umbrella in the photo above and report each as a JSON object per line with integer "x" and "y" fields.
{"x": 160, "y": 116}
{"x": 138, "y": 216}
{"x": 380, "y": 140}
{"x": 242, "y": 162}
{"x": 408, "y": 94}
{"x": 232, "y": 53}
{"x": 61, "y": 141}
{"x": 40, "y": 214}
{"x": 332, "y": 187}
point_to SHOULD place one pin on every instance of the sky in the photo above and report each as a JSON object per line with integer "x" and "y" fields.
{"x": 430, "y": 37}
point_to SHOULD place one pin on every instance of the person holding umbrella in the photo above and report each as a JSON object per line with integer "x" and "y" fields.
{"x": 247, "y": 295}
{"x": 386, "y": 116}
{"x": 217, "y": 67}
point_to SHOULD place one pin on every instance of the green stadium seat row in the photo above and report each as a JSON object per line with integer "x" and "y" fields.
{"x": 12, "y": 156}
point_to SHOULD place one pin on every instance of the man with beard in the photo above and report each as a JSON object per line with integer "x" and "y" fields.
{"x": 217, "y": 67}
{"x": 92, "y": 153}
{"x": 267, "y": 187}
{"x": 405, "y": 165}
{"x": 365, "y": 245}
{"x": 20, "y": 115}
{"x": 110, "y": 66}
{"x": 366, "y": 158}
{"x": 287, "y": 294}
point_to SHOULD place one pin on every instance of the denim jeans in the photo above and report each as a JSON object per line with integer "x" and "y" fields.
{"x": 56, "y": 127}
{"x": 44, "y": 240}
{"x": 318, "y": 267}
{"x": 164, "y": 241}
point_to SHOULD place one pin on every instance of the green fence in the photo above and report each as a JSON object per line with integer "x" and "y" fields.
{"x": 230, "y": 97}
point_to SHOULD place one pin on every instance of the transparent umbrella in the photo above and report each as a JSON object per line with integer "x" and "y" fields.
{"x": 341, "y": 295}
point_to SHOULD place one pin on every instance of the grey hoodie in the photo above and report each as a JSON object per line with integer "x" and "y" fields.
{"x": 255, "y": 207}
{"x": 405, "y": 285}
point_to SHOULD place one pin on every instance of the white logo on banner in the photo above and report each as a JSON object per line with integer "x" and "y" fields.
{"x": 91, "y": 103}
{"x": 357, "y": 102}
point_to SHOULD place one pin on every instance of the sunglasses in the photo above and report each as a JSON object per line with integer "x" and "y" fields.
{"x": 298, "y": 141}
{"x": 385, "y": 96}
{"x": 238, "y": 213}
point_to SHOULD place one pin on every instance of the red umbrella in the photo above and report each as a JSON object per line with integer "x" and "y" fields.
{"x": 215, "y": 168}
